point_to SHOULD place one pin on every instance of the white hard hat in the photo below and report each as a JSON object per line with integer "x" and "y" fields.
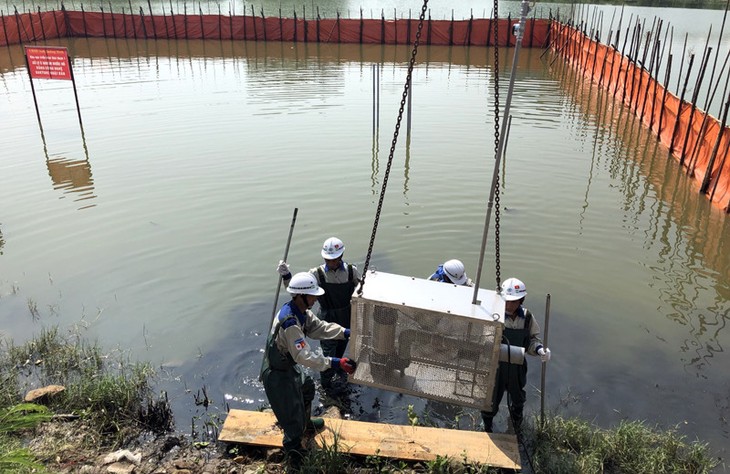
{"x": 332, "y": 248}
{"x": 304, "y": 283}
{"x": 454, "y": 269}
{"x": 513, "y": 289}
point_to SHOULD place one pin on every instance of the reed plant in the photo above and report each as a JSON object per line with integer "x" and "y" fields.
{"x": 571, "y": 445}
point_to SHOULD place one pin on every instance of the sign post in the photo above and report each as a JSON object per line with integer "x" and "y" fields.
{"x": 49, "y": 62}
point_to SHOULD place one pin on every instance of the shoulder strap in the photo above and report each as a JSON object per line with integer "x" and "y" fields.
{"x": 528, "y": 318}
{"x": 350, "y": 272}
{"x": 288, "y": 321}
{"x": 320, "y": 276}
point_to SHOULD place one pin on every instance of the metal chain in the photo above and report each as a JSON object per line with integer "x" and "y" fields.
{"x": 404, "y": 97}
{"x": 496, "y": 144}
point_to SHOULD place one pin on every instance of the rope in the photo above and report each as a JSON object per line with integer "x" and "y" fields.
{"x": 407, "y": 86}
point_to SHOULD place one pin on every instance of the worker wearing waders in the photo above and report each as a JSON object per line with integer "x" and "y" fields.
{"x": 339, "y": 280}
{"x": 520, "y": 329}
{"x": 289, "y": 390}
{"x": 452, "y": 271}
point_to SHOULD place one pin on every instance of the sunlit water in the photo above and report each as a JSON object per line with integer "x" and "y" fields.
{"x": 160, "y": 228}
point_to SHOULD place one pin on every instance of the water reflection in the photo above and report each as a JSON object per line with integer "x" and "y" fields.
{"x": 662, "y": 207}
{"x": 73, "y": 177}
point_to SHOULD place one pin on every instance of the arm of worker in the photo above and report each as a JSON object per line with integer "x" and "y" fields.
{"x": 535, "y": 341}
{"x": 536, "y": 347}
{"x": 302, "y": 352}
{"x": 318, "y": 329}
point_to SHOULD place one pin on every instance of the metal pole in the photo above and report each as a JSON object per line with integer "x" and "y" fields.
{"x": 32, "y": 88}
{"x": 410, "y": 92}
{"x": 286, "y": 255}
{"x": 76, "y": 95}
{"x": 525, "y": 8}
{"x": 374, "y": 73}
{"x": 544, "y": 364}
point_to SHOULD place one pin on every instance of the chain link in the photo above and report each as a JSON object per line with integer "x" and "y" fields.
{"x": 496, "y": 144}
{"x": 411, "y": 64}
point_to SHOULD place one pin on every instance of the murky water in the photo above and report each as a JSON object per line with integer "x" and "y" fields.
{"x": 160, "y": 227}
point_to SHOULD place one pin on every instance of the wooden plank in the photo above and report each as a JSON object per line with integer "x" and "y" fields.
{"x": 414, "y": 443}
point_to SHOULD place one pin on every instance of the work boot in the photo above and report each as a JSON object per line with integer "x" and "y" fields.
{"x": 295, "y": 459}
{"x": 315, "y": 425}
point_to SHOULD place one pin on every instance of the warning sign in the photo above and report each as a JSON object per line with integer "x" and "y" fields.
{"x": 48, "y": 62}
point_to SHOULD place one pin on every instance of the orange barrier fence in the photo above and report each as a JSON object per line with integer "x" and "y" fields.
{"x": 41, "y": 26}
{"x": 696, "y": 139}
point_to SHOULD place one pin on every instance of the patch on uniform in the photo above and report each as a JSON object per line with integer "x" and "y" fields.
{"x": 300, "y": 344}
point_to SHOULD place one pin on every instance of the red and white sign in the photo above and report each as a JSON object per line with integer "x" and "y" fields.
{"x": 48, "y": 62}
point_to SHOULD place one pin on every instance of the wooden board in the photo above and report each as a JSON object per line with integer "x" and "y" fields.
{"x": 414, "y": 443}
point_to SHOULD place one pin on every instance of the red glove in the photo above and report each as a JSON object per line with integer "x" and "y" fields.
{"x": 348, "y": 365}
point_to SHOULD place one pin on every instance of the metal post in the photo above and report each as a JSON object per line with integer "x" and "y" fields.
{"x": 544, "y": 365}
{"x": 525, "y": 8}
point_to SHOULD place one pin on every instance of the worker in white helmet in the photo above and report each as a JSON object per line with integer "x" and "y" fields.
{"x": 339, "y": 280}
{"x": 290, "y": 391}
{"x": 520, "y": 329}
{"x": 452, "y": 271}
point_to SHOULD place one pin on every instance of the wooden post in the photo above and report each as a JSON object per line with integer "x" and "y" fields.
{"x": 710, "y": 164}
{"x": 681, "y": 102}
{"x": 55, "y": 22}
{"x": 152, "y": 19}
{"x": 263, "y": 22}
{"x": 40, "y": 19}
{"x": 83, "y": 20}
{"x": 664, "y": 96}
{"x": 131, "y": 19}
{"x": 141, "y": 16}
{"x": 253, "y": 20}
{"x": 703, "y": 67}
{"x": 451, "y": 29}
{"x": 5, "y": 31}
{"x": 174, "y": 26}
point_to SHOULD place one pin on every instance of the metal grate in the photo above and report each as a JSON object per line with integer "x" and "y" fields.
{"x": 425, "y": 338}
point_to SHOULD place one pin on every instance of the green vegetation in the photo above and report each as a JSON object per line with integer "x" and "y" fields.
{"x": 575, "y": 446}
{"x": 109, "y": 402}
{"x": 13, "y": 420}
{"x": 108, "y": 397}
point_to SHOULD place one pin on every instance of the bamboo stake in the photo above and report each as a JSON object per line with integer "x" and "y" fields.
{"x": 681, "y": 102}
{"x": 698, "y": 82}
{"x": 664, "y": 95}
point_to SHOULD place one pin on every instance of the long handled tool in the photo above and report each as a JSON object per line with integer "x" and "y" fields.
{"x": 544, "y": 364}
{"x": 286, "y": 254}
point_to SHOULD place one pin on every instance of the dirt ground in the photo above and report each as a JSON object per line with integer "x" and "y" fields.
{"x": 67, "y": 447}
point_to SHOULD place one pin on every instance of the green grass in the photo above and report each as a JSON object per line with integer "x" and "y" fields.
{"x": 14, "y": 420}
{"x": 570, "y": 445}
{"x": 110, "y": 396}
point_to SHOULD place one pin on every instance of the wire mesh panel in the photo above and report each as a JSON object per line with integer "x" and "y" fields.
{"x": 425, "y": 338}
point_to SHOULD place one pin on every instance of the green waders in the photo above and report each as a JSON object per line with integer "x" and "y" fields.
{"x": 290, "y": 392}
{"x": 512, "y": 378}
{"x": 334, "y": 308}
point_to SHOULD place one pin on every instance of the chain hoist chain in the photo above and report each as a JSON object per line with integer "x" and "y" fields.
{"x": 496, "y": 144}
{"x": 411, "y": 64}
